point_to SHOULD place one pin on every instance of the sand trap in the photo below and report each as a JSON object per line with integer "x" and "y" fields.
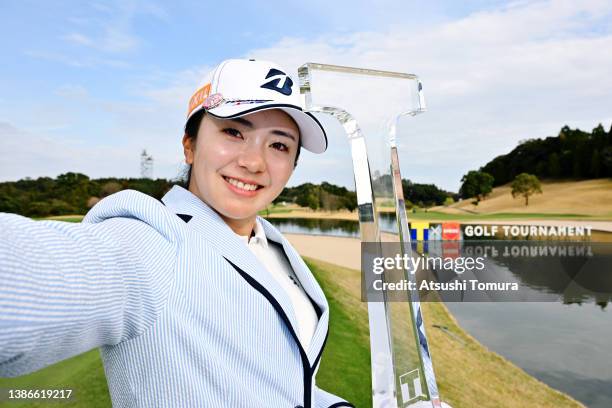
{"x": 337, "y": 250}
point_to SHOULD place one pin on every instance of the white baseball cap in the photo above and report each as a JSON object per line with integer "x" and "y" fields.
{"x": 237, "y": 87}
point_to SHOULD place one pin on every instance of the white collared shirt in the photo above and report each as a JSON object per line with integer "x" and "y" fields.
{"x": 276, "y": 263}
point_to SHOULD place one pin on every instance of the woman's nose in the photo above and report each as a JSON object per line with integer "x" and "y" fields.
{"x": 252, "y": 158}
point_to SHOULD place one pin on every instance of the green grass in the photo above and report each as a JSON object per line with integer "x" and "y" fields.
{"x": 345, "y": 364}
{"x": 275, "y": 210}
{"x": 70, "y": 218}
{"x": 83, "y": 374}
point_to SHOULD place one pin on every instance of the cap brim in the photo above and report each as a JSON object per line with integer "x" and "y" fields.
{"x": 312, "y": 134}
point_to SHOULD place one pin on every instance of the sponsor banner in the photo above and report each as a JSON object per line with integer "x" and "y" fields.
{"x": 435, "y": 233}
{"x": 423, "y": 231}
{"x": 454, "y": 231}
{"x": 451, "y": 231}
{"x": 419, "y": 231}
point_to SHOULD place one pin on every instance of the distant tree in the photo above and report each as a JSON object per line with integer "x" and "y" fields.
{"x": 74, "y": 190}
{"x": 595, "y": 164}
{"x": 60, "y": 207}
{"x": 606, "y": 161}
{"x": 38, "y": 209}
{"x": 109, "y": 188}
{"x": 313, "y": 201}
{"x": 349, "y": 201}
{"x": 329, "y": 201}
{"x": 448, "y": 201}
{"x": 92, "y": 201}
{"x": 567, "y": 155}
{"x": 554, "y": 166}
{"x": 427, "y": 194}
{"x": 325, "y": 196}
{"x": 599, "y": 131}
{"x": 309, "y": 196}
{"x": 525, "y": 185}
{"x": 302, "y": 200}
{"x": 541, "y": 169}
{"x": 476, "y": 184}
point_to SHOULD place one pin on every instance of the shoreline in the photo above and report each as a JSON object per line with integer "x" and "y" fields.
{"x": 597, "y": 225}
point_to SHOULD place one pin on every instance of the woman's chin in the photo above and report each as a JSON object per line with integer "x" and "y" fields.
{"x": 238, "y": 214}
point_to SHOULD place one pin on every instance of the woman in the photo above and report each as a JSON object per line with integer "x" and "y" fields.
{"x": 194, "y": 301}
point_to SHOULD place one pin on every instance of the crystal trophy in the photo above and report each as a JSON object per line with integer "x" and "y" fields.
{"x": 371, "y": 107}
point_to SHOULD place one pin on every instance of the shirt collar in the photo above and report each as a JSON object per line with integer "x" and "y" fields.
{"x": 182, "y": 200}
{"x": 259, "y": 237}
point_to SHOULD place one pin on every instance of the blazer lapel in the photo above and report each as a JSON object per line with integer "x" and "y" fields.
{"x": 220, "y": 236}
{"x": 311, "y": 287}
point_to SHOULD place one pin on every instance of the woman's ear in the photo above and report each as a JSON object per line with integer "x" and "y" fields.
{"x": 188, "y": 149}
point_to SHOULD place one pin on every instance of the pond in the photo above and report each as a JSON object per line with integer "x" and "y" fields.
{"x": 340, "y": 228}
{"x": 563, "y": 339}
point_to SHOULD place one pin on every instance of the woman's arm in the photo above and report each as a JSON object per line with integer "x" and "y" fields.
{"x": 66, "y": 288}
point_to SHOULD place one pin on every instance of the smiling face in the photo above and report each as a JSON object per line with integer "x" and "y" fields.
{"x": 240, "y": 165}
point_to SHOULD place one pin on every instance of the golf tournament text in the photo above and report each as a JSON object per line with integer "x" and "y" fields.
{"x": 527, "y": 230}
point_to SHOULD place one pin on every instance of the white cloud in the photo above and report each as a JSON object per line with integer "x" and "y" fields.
{"x": 112, "y": 30}
{"x": 77, "y": 61}
{"x": 57, "y": 57}
{"x": 117, "y": 40}
{"x": 114, "y": 40}
{"x": 28, "y": 154}
{"x": 491, "y": 79}
{"x": 78, "y": 38}
{"x": 72, "y": 91}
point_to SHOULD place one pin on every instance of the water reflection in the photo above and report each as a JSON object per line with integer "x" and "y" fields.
{"x": 340, "y": 228}
{"x": 313, "y": 226}
{"x": 565, "y": 346}
{"x": 544, "y": 271}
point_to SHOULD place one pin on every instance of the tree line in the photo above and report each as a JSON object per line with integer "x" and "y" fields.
{"x": 324, "y": 196}
{"x": 572, "y": 154}
{"x": 76, "y": 193}
{"x": 69, "y": 193}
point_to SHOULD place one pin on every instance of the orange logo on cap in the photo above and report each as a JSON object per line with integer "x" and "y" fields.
{"x": 198, "y": 97}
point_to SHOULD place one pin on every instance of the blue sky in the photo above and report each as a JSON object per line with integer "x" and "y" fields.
{"x": 85, "y": 86}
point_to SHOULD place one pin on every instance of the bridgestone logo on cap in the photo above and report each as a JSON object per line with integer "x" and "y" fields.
{"x": 275, "y": 84}
{"x": 198, "y": 97}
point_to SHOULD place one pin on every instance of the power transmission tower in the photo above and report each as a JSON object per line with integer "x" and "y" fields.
{"x": 146, "y": 165}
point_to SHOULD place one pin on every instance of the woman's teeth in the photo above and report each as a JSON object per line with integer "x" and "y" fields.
{"x": 241, "y": 185}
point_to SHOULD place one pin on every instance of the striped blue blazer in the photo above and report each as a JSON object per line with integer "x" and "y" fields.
{"x": 184, "y": 314}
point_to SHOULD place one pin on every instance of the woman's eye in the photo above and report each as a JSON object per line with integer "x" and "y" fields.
{"x": 232, "y": 132}
{"x": 280, "y": 146}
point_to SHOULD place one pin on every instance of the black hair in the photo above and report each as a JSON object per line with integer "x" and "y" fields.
{"x": 191, "y": 131}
